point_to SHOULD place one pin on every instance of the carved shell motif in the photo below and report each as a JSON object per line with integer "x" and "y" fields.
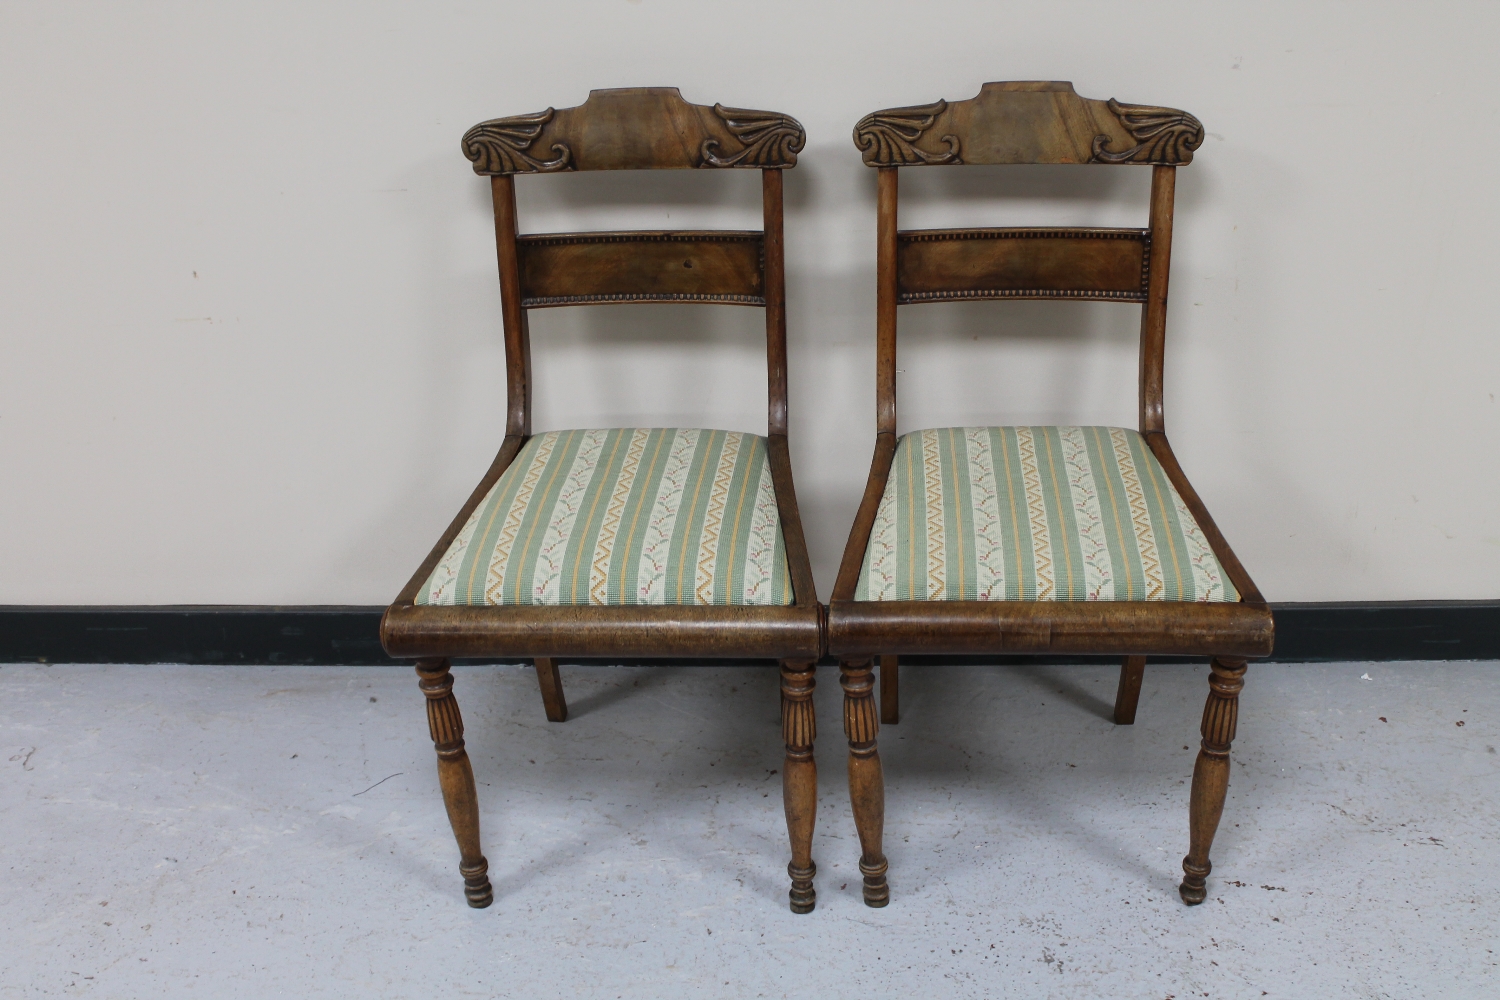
{"x": 887, "y": 136}
{"x": 770, "y": 139}
{"x": 1162, "y": 135}
{"x": 499, "y": 145}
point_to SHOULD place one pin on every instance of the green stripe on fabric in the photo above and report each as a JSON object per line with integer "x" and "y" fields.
{"x": 624, "y": 566}
{"x": 1067, "y": 557}
{"x": 958, "y": 516}
{"x": 1020, "y": 585}
{"x": 686, "y": 534}
{"x": 1114, "y": 509}
{"x": 521, "y": 567}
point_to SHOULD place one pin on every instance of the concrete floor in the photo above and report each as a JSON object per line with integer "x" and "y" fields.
{"x": 253, "y": 831}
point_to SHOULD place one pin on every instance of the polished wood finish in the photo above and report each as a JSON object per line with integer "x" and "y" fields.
{"x": 456, "y": 778}
{"x": 1024, "y": 123}
{"x": 570, "y": 269}
{"x": 866, "y": 779}
{"x": 1128, "y": 694}
{"x": 1048, "y": 627}
{"x": 799, "y": 777}
{"x": 1211, "y": 773}
{"x": 1031, "y": 121}
{"x": 890, "y": 690}
{"x": 634, "y": 128}
{"x": 640, "y": 128}
{"x": 549, "y": 679}
{"x": 948, "y": 265}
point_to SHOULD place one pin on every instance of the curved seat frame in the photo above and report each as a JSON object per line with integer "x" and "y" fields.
{"x": 1042, "y": 122}
{"x": 628, "y": 129}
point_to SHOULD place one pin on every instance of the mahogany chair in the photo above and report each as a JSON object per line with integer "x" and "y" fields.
{"x": 634, "y": 542}
{"x": 1037, "y": 540}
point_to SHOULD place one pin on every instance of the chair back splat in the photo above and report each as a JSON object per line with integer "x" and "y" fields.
{"x": 1033, "y": 540}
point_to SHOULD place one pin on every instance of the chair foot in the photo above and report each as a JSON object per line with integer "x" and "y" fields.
{"x": 804, "y": 897}
{"x": 549, "y": 679}
{"x": 877, "y": 891}
{"x": 477, "y": 889}
{"x": 1129, "y": 691}
{"x": 1194, "y": 887}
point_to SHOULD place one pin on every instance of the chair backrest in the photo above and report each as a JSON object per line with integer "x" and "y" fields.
{"x": 1018, "y": 123}
{"x": 642, "y": 128}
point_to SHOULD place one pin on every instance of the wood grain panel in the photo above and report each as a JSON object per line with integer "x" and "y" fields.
{"x": 1027, "y": 121}
{"x": 634, "y": 128}
{"x": 943, "y": 265}
{"x": 564, "y": 269}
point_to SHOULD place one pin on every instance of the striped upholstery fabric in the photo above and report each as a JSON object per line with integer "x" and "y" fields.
{"x": 623, "y": 516}
{"x": 1035, "y": 514}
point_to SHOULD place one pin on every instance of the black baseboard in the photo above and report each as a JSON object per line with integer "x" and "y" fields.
{"x": 323, "y": 635}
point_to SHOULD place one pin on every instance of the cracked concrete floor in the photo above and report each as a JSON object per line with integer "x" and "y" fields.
{"x": 256, "y": 831}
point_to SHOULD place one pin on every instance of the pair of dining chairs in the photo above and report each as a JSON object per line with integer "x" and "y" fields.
{"x": 687, "y": 543}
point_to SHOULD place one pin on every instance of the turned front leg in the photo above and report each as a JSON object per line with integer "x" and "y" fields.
{"x": 456, "y": 777}
{"x": 799, "y": 778}
{"x": 1211, "y": 774}
{"x": 866, "y": 782}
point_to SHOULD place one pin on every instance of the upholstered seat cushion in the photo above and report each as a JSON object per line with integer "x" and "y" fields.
{"x": 623, "y": 516}
{"x": 1035, "y": 514}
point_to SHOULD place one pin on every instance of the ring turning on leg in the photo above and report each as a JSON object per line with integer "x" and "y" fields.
{"x": 799, "y": 778}
{"x": 866, "y": 782}
{"x": 1211, "y": 774}
{"x": 456, "y": 777}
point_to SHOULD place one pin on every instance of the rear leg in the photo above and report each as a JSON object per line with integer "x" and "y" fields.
{"x": 550, "y": 680}
{"x": 1129, "y": 692}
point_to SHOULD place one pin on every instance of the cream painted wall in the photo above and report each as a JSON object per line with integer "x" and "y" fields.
{"x": 249, "y": 323}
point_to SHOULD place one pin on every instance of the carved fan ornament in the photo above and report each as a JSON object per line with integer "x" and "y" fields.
{"x": 499, "y": 145}
{"x": 770, "y": 139}
{"x": 887, "y": 137}
{"x": 1162, "y": 135}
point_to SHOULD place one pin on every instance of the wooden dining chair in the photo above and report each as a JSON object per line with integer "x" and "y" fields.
{"x": 627, "y": 542}
{"x": 1004, "y": 540}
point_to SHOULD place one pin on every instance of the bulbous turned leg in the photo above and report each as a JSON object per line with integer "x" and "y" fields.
{"x": 456, "y": 777}
{"x": 1211, "y": 774}
{"x": 799, "y": 778}
{"x": 866, "y": 782}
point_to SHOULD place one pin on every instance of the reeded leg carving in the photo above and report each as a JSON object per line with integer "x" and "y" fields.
{"x": 890, "y": 690}
{"x": 549, "y": 678}
{"x": 1129, "y": 692}
{"x": 1211, "y": 774}
{"x": 866, "y": 782}
{"x": 456, "y": 777}
{"x": 799, "y": 777}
